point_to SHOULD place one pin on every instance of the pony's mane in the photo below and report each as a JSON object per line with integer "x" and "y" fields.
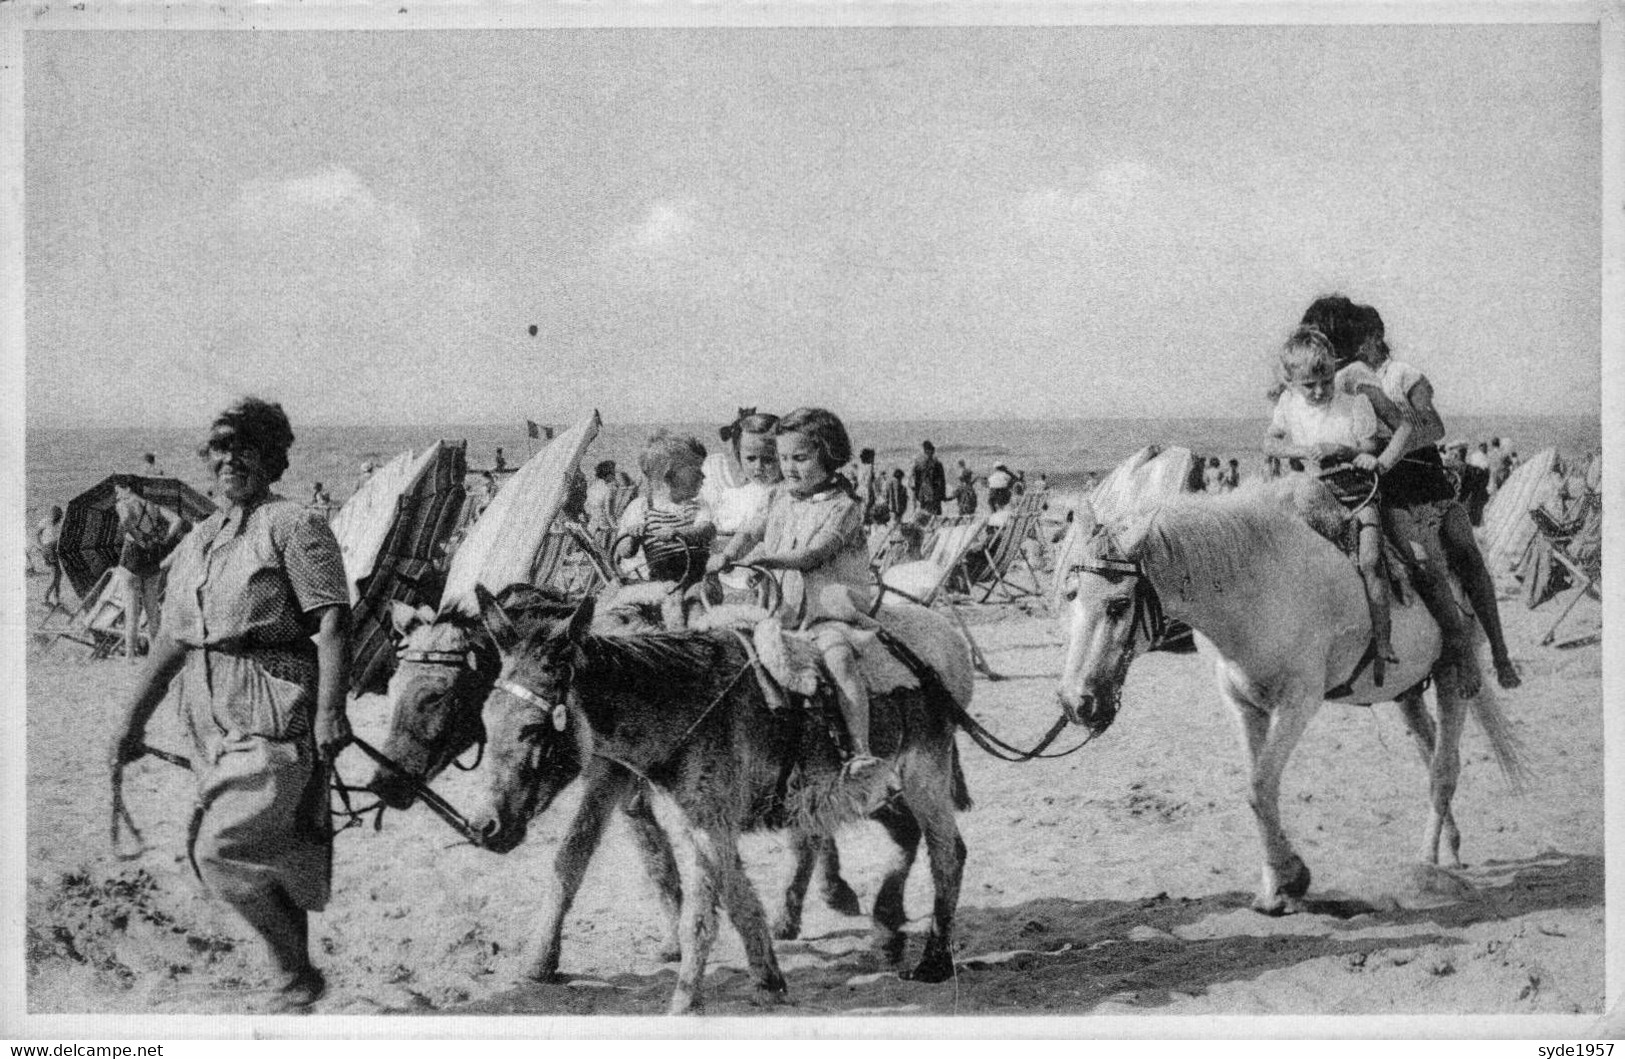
{"x": 1216, "y": 541}
{"x": 678, "y": 656}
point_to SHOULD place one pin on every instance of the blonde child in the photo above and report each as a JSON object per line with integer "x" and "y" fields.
{"x": 813, "y": 529}
{"x": 1319, "y": 424}
{"x": 670, "y": 525}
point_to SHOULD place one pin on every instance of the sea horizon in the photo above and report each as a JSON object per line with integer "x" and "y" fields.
{"x": 60, "y": 462}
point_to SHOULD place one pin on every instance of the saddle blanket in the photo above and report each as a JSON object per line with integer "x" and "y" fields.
{"x": 794, "y": 659}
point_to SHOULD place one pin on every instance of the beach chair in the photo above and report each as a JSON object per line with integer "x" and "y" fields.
{"x": 995, "y": 563}
{"x": 99, "y": 622}
{"x": 1575, "y": 546}
{"x": 923, "y": 581}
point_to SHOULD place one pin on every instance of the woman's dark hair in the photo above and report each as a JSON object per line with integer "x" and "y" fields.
{"x": 604, "y": 471}
{"x": 826, "y": 432}
{"x": 1342, "y": 322}
{"x": 261, "y": 425}
{"x": 866, "y": 456}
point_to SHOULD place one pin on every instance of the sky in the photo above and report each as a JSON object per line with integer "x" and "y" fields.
{"x": 1028, "y": 222}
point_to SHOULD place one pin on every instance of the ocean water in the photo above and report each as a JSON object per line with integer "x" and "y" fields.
{"x": 61, "y": 463}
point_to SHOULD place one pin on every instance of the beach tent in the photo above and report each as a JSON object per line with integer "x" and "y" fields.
{"x": 1508, "y": 530}
{"x": 391, "y": 533}
{"x": 90, "y": 542}
{"x": 510, "y": 541}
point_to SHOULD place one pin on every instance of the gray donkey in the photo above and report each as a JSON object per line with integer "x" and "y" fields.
{"x": 684, "y": 711}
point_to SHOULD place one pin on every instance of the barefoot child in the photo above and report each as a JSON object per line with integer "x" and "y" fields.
{"x": 814, "y": 527}
{"x": 1317, "y": 423}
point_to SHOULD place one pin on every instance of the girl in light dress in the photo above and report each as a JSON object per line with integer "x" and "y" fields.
{"x": 1321, "y": 425}
{"x": 813, "y": 530}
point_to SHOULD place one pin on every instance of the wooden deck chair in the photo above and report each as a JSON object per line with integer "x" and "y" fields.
{"x": 923, "y": 580}
{"x": 994, "y": 562}
{"x": 1576, "y": 545}
{"x": 99, "y": 622}
{"x": 571, "y": 562}
{"x": 886, "y": 546}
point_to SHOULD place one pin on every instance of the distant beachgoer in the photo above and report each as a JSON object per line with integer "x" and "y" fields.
{"x": 601, "y": 514}
{"x": 500, "y": 463}
{"x": 144, "y": 529}
{"x": 670, "y": 525}
{"x": 255, "y": 645}
{"x": 896, "y": 494}
{"x": 46, "y": 536}
{"x": 965, "y": 496}
{"x": 1018, "y": 487}
{"x": 929, "y": 482}
{"x": 867, "y": 485}
{"x": 1502, "y": 473}
{"x": 1213, "y": 476}
{"x": 999, "y": 483}
{"x": 1232, "y": 474}
{"x": 320, "y": 501}
{"x": 963, "y": 473}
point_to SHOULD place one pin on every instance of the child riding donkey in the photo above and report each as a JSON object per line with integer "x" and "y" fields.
{"x": 813, "y": 529}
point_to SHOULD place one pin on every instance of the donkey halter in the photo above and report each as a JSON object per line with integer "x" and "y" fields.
{"x": 463, "y": 661}
{"x": 556, "y": 711}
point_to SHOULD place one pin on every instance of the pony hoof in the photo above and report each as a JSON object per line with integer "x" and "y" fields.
{"x": 1298, "y": 885}
{"x": 544, "y": 973}
{"x": 1434, "y": 881}
{"x": 786, "y": 929}
{"x": 934, "y": 968}
{"x": 771, "y": 995}
{"x": 842, "y": 899}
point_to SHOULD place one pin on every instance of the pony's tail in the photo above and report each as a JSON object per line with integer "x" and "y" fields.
{"x": 1504, "y": 743}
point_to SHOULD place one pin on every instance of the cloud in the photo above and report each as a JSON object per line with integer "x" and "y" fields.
{"x": 667, "y": 227}
{"x": 329, "y": 216}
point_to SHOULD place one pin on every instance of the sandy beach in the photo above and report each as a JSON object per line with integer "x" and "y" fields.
{"x": 1115, "y": 881}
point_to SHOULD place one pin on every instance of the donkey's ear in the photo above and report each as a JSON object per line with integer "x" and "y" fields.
{"x": 495, "y": 618}
{"x": 403, "y": 616}
{"x": 580, "y": 621}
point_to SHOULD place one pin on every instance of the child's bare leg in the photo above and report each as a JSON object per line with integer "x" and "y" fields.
{"x": 1461, "y": 552}
{"x": 843, "y": 667}
{"x": 1432, "y": 583}
{"x": 1376, "y": 592}
{"x": 867, "y": 779}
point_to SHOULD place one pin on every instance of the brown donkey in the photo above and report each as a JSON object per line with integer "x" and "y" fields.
{"x": 683, "y": 711}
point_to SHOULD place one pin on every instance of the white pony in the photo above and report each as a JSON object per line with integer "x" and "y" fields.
{"x": 1281, "y": 615}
